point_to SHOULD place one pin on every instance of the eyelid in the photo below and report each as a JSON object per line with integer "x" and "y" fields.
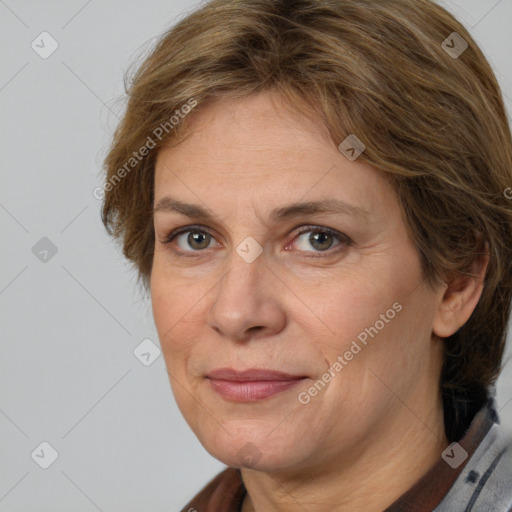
{"x": 178, "y": 231}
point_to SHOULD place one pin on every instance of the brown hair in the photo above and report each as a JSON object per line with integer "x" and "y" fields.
{"x": 433, "y": 123}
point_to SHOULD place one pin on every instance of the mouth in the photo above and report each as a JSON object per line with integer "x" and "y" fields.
{"x": 251, "y": 385}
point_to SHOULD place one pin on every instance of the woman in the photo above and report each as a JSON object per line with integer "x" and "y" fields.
{"x": 312, "y": 192}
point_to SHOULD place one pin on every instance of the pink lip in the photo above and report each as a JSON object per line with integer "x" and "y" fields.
{"x": 251, "y": 385}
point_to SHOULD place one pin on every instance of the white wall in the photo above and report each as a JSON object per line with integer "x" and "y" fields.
{"x": 69, "y": 326}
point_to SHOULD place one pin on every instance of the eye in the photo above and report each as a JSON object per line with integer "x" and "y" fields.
{"x": 320, "y": 238}
{"x": 196, "y": 238}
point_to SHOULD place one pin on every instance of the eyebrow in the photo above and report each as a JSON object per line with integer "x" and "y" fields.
{"x": 329, "y": 206}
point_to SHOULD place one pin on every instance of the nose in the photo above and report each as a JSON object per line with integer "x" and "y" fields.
{"x": 247, "y": 302}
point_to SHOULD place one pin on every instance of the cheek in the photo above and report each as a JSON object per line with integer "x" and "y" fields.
{"x": 350, "y": 308}
{"x": 172, "y": 306}
{"x": 175, "y": 298}
{"x": 374, "y": 324}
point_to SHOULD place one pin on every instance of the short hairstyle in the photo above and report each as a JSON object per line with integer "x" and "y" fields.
{"x": 433, "y": 122}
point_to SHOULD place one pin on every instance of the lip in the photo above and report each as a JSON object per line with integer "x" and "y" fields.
{"x": 252, "y": 384}
{"x": 251, "y": 374}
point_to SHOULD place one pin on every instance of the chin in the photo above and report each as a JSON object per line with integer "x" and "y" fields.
{"x": 253, "y": 448}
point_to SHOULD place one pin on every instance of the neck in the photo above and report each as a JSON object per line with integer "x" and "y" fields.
{"x": 397, "y": 455}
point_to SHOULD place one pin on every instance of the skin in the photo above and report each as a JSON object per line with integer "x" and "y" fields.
{"x": 377, "y": 426}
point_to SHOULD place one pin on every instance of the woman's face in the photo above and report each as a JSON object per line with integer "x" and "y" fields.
{"x": 331, "y": 295}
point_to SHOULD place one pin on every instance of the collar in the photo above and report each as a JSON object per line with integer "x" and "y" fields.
{"x": 430, "y": 489}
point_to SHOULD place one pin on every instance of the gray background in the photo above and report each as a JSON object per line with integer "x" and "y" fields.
{"x": 70, "y": 324}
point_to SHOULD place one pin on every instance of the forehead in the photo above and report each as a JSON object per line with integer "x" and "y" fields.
{"x": 259, "y": 146}
{"x": 260, "y": 126}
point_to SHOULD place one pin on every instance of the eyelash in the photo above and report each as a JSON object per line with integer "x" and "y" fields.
{"x": 344, "y": 239}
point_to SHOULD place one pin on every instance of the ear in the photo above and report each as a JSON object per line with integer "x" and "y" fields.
{"x": 460, "y": 298}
